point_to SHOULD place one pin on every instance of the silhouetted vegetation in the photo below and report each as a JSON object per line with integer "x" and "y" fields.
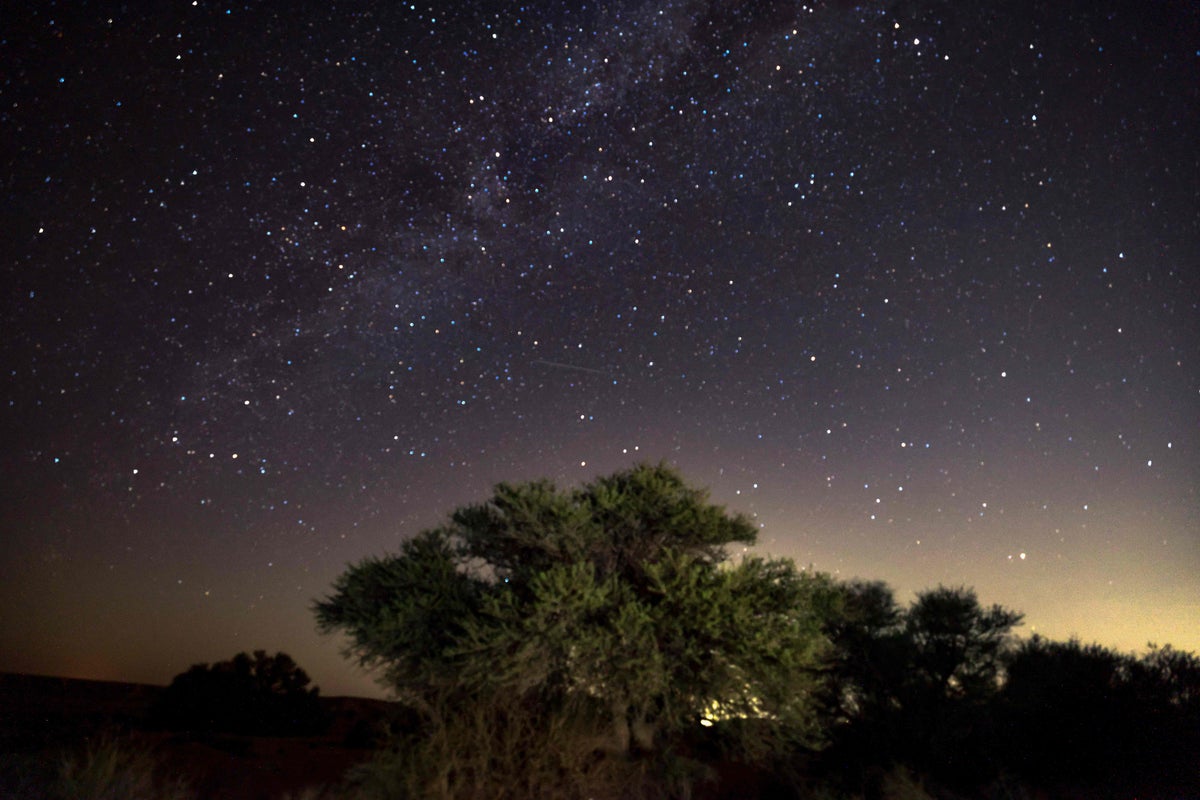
{"x": 109, "y": 769}
{"x": 943, "y": 691}
{"x": 599, "y": 643}
{"x": 98, "y": 767}
{"x": 914, "y": 685}
{"x": 252, "y": 695}
{"x": 1082, "y": 715}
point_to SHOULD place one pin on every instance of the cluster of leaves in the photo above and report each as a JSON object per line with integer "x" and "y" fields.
{"x": 251, "y": 695}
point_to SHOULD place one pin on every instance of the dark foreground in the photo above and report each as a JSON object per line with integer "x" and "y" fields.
{"x": 43, "y": 718}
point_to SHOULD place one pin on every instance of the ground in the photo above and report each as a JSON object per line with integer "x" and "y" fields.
{"x": 40, "y": 717}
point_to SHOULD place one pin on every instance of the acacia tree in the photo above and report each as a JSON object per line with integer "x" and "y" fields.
{"x": 613, "y": 609}
{"x": 957, "y": 643}
{"x": 913, "y": 684}
{"x": 957, "y": 650}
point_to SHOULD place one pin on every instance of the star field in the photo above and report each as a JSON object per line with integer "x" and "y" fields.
{"x": 913, "y": 283}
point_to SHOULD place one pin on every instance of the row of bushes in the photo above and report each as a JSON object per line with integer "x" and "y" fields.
{"x": 943, "y": 689}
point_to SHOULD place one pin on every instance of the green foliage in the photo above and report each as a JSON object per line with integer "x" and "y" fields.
{"x": 610, "y": 612}
{"x": 405, "y": 613}
{"x": 264, "y": 695}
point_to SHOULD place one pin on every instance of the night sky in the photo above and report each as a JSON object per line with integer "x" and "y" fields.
{"x": 914, "y": 284}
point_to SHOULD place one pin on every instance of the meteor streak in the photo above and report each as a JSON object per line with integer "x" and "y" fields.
{"x": 576, "y": 367}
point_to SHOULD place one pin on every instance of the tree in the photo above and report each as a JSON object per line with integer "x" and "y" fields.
{"x": 870, "y": 655}
{"x": 612, "y": 610}
{"x": 263, "y": 695}
{"x": 954, "y": 670}
{"x": 869, "y": 664}
{"x": 913, "y": 685}
{"x": 957, "y": 644}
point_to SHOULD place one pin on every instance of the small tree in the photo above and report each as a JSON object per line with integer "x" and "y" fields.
{"x": 913, "y": 685}
{"x": 612, "y": 609}
{"x": 956, "y": 660}
{"x": 957, "y": 644}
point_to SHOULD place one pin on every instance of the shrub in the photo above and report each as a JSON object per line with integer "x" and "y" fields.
{"x": 264, "y": 696}
{"x": 109, "y": 769}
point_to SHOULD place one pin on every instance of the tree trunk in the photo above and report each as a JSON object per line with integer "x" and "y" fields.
{"x": 643, "y": 732}
{"x": 620, "y": 729}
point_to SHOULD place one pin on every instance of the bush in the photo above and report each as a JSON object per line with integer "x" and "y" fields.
{"x": 109, "y": 769}
{"x": 259, "y": 696}
{"x": 1087, "y": 715}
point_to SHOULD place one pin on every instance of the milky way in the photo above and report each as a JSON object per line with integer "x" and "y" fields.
{"x": 914, "y": 284}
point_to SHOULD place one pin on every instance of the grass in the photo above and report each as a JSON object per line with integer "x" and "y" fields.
{"x": 110, "y": 769}
{"x": 104, "y": 767}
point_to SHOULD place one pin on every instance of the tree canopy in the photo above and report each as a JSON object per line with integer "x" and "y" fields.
{"x": 616, "y": 603}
